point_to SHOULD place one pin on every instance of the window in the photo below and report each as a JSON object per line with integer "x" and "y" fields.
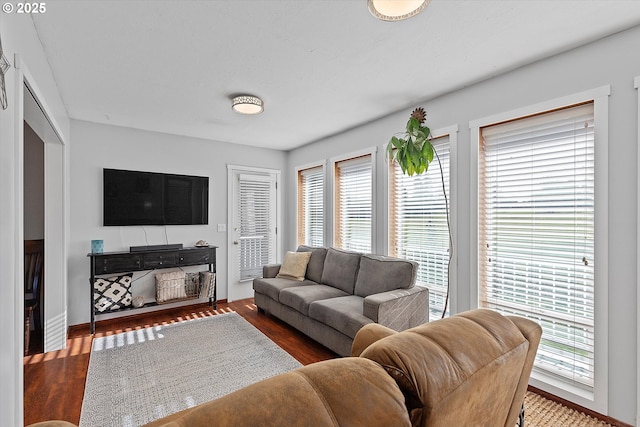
{"x": 311, "y": 206}
{"x": 418, "y": 228}
{"x": 353, "y": 204}
{"x": 536, "y": 233}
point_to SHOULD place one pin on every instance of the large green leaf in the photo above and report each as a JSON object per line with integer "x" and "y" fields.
{"x": 413, "y": 151}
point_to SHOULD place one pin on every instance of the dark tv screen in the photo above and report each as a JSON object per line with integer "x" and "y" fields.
{"x": 149, "y": 198}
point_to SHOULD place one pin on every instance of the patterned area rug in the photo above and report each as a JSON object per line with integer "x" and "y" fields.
{"x": 541, "y": 412}
{"x": 139, "y": 376}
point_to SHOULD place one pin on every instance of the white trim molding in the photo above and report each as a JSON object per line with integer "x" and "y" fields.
{"x": 596, "y": 400}
{"x": 323, "y": 165}
{"x": 636, "y": 84}
{"x": 331, "y": 183}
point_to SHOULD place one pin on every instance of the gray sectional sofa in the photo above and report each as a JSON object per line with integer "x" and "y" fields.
{"x": 342, "y": 291}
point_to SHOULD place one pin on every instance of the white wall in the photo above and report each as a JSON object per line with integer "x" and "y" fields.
{"x": 33, "y": 185}
{"x": 18, "y": 37}
{"x": 101, "y": 146}
{"x": 610, "y": 61}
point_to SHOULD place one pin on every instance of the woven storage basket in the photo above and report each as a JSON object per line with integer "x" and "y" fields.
{"x": 170, "y": 286}
{"x": 192, "y": 285}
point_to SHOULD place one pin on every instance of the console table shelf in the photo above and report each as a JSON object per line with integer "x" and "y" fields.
{"x": 128, "y": 262}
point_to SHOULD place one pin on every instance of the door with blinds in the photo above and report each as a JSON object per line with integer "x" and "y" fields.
{"x": 253, "y": 234}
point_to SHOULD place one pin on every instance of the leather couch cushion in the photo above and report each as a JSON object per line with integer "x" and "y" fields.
{"x": 343, "y": 314}
{"x": 300, "y": 297}
{"x": 316, "y": 262}
{"x": 320, "y": 395}
{"x": 469, "y": 368}
{"x": 340, "y": 269}
{"x": 272, "y": 286}
{"x": 381, "y": 273}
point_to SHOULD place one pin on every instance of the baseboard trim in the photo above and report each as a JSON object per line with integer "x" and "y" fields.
{"x": 83, "y": 328}
{"x": 578, "y": 408}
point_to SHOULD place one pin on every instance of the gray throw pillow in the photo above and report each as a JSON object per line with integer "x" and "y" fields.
{"x": 340, "y": 269}
{"x": 316, "y": 262}
{"x": 381, "y": 273}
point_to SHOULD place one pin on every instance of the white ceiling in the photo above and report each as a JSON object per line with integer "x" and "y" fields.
{"x": 321, "y": 66}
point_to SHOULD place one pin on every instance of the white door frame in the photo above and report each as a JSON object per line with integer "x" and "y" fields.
{"x": 231, "y": 170}
{"x": 56, "y": 205}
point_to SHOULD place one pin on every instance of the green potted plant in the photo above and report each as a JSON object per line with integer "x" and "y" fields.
{"x": 412, "y": 149}
{"x": 414, "y": 152}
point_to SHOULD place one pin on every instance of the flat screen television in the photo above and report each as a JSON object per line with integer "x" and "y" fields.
{"x": 149, "y": 198}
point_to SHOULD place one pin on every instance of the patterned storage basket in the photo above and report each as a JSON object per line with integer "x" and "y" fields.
{"x": 170, "y": 286}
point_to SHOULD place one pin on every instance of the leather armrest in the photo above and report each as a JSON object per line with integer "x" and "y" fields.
{"x": 532, "y": 331}
{"x": 367, "y": 335}
{"x": 270, "y": 270}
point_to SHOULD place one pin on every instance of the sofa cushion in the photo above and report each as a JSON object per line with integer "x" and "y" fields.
{"x": 381, "y": 273}
{"x": 300, "y": 297}
{"x": 343, "y": 314}
{"x": 272, "y": 286}
{"x": 340, "y": 269}
{"x": 294, "y": 265}
{"x": 316, "y": 262}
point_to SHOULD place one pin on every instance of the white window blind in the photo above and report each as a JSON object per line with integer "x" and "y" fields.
{"x": 353, "y": 199}
{"x": 257, "y": 224}
{"x": 418, "y": 228}
{"x": 536, "y": 231}
{"x": 311, "y": 206}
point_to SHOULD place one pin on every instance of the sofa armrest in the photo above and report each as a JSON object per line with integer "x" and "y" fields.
{"x": 367, "y": 335}
{"x": 399, "y": 309}
{"x": 270, "y": 270}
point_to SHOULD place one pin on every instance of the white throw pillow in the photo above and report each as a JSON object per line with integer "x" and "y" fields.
{"x": 294, "y": 265}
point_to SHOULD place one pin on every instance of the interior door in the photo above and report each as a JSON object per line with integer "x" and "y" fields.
{"x": 253, "y": 240}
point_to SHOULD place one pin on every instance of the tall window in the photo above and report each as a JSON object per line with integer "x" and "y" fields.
{"x": 311, "y": 206}
{"x": 536, "y": 232}
{"x": 353, "y": 204}
{"x": 418, "y": 223}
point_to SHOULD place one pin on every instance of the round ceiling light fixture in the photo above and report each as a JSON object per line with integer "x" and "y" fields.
{"x": 247, "y": 104}
{"x": 396, "y": 10}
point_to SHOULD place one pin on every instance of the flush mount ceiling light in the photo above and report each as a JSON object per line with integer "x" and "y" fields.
{"x": 396, "y": 10}
{"x": 247, "y": 104}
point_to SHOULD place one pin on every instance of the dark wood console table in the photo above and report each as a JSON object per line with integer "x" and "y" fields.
{"x": 128, "y": 262}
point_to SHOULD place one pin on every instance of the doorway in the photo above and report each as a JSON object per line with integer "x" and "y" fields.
{"x": 33, "y": 236}
{"x": 54, "y": 211}
{"x": 254, "y": 216}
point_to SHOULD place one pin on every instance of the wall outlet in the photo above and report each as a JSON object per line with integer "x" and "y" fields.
{"x": 222, "y": 228}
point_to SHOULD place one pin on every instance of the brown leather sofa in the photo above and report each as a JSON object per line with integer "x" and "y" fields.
{"x": 471, "y": 369}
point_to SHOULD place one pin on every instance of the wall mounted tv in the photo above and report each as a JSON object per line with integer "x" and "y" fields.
{"x": 148, "y": 198}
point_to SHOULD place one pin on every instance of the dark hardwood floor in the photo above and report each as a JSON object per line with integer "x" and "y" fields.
{"x": 54, "y": 382}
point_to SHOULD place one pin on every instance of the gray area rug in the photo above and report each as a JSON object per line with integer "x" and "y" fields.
{"x": 139, "y": 376}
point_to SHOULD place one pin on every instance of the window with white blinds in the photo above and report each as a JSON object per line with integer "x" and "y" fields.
{"x": 311, "y": 206}
{"x": 418, "y": 228}
{"x": 256, "y": 237}
{"x": 536, "y": 233}
{"x": 353, "y": 204}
